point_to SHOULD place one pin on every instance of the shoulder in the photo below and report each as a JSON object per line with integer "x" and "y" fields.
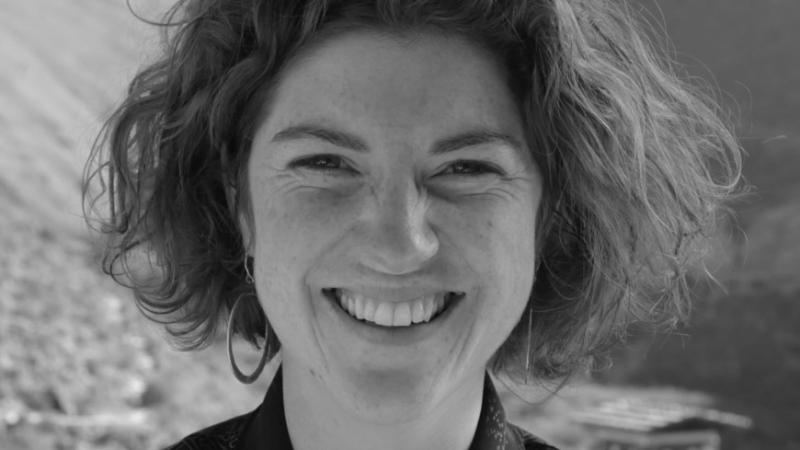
{"x": 527, "y": 440}
{"x": 222, "y": 436}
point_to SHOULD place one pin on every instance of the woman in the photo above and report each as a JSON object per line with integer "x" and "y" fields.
{"x": 403, "y": 196}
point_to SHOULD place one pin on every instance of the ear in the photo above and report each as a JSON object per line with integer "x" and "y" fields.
{"x": 246, "y": 231}
{"x": 241, "y": 212}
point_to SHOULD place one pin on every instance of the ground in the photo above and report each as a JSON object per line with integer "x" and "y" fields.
{"x": 80, "y": 368}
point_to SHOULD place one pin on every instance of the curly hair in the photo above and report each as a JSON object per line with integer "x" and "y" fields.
{"x": 637, "y": 164}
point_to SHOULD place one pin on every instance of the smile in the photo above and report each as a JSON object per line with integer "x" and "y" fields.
{"x": 420, "y": 310}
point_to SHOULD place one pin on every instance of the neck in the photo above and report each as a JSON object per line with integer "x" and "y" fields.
{"x": 317, "y": 419}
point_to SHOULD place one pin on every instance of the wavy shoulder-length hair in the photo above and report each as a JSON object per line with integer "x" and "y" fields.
{"x": 636, "y": 163}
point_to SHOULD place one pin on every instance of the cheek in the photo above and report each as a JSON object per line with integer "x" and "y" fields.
{"x": 293, "y": 231}
{"x": 500, "y": 232}
{"x": 497, "y": 241}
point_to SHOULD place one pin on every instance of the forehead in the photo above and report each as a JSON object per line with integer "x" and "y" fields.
{"x": 419, "y": 81}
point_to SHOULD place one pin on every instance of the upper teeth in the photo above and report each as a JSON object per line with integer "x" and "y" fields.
{"x": 391, "y": 314}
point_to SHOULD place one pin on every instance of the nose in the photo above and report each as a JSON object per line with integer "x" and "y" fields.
{"x": 398, "y": 239}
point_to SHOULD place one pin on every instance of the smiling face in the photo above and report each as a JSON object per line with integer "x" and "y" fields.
{"x": 393, "y": 217}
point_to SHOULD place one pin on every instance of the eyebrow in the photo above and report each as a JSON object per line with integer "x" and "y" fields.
{"x": 346, "y": 140}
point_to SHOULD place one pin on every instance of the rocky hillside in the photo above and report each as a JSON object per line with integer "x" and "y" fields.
{"x": 79, "y": 368}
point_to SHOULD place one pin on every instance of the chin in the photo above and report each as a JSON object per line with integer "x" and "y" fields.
{"x": 389, "y": 397}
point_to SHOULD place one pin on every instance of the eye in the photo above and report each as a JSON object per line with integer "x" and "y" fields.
{"x": 321, "y": 163}
{"x": 471, "y": 168}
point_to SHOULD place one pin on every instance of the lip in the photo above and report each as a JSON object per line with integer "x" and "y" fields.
{"x": 391, "y": 336}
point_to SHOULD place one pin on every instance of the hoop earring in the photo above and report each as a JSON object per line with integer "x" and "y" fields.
{"x": 528, "y": 347}
{"x": 244, "y": 379}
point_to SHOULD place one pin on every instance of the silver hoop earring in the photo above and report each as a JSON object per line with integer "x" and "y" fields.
{"x": 245, "y": 379}
{"x": 528, "y": 347}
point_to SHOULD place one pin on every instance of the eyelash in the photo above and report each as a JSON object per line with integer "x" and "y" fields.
{"x": 482, "y": 167}
{"x": 310, "y": 163}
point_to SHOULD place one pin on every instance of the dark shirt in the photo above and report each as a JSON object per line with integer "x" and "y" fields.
{"x": 265, "y": 427}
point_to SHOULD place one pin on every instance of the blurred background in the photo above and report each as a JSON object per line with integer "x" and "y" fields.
{"x": 80, "y": 368}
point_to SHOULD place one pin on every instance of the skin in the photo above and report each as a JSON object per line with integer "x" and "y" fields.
{"x": 393, "y": 220}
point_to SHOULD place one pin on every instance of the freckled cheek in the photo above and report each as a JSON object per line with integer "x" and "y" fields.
{"x": 487, "y": 224}
{"x": 497, "y": 241}
{"x": 293, "y": 232}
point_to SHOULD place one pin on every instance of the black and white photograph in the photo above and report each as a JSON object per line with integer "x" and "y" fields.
{"x": 400, "y": 224}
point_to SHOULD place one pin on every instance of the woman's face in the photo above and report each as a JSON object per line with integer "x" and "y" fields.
{"x": 390, "y": 181}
